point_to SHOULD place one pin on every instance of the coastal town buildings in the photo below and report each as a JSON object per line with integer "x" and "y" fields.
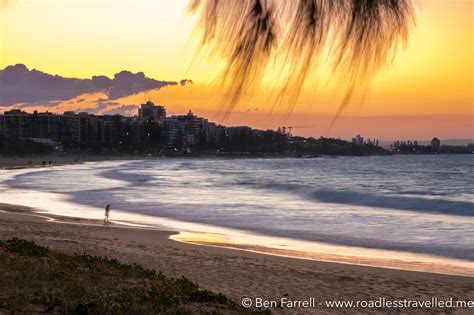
{"x": 150, "y": 111}
{"x": 358, "y": 140}
{"x": 19, "y": 124}
{"x": 435, "y": 144}
{"x": 151, "y": 125}
{"x": 153, "y": 131}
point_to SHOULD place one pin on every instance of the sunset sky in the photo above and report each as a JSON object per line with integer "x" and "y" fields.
{"x": 426, "y": 92}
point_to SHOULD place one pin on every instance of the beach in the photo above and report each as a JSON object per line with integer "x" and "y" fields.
{"x": 211, "y": 259}
{"x": 235, "y": 273}
{"x": 36, "y": 161}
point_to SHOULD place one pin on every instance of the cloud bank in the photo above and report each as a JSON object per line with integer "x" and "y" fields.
{"x": 19, "y": 85}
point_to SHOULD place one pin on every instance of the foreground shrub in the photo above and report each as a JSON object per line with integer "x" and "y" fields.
{"x": 36, "y": 279}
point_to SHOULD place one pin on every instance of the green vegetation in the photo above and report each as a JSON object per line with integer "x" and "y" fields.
{"x": 335, "y": 147}
{"x": 36, "y": 279}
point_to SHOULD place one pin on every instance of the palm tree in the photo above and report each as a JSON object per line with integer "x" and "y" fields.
{"x": 361, "y": 36}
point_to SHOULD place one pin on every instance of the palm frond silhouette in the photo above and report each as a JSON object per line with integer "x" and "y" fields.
{"x": 357, "y": 37}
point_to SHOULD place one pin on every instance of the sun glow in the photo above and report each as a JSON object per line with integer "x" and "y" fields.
{"x": 433, "y": 77}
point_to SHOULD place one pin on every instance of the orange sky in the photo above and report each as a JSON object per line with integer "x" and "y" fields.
{"x": 426, "y": 92}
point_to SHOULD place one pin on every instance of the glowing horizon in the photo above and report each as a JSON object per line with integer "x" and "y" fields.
{"x": 432, "y": 78}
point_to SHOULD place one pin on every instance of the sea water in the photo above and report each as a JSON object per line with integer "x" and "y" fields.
{"x": 422, "y": 204}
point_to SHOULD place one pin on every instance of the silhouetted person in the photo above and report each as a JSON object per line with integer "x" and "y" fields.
{"x": 107, "y": 212}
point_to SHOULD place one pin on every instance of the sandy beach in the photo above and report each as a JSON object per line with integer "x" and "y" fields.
{"x": 18, "y": 162}
{"x": 236, "y": 273}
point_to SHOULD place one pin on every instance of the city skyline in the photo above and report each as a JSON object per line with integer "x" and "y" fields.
{"x": 151, "y": 112}
{"x": 426, "y": 91}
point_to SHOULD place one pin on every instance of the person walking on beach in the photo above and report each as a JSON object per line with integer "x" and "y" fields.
{"x": 107, "y": 211}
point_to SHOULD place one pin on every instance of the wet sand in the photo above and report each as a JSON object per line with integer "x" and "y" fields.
{"x": 237, "y": 273}
{"x": 338, "y": 254}
{"x": 15, "y": 162}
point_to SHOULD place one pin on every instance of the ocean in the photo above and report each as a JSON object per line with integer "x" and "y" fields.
{"x": 413, "y": 204}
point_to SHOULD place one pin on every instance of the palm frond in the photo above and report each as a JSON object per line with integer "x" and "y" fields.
{"x": 361, "y": 37}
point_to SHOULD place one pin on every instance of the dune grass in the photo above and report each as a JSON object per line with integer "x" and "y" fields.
{"x": 36, "y": 279}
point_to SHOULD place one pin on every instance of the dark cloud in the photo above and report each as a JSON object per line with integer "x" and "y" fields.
{"x": 21, "y": 85}
{"x": 109, "y": 103}
{"x": 185, "y": 81}
{"x": 37, "y": 104}
{"x": 122, "y": 110}
{"x": 100, "y": 108}
{"x": 94, "y": 110}
{"x": 127, "y": 83}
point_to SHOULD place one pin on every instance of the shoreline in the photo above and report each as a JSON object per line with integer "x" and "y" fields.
{"x": 197, "y": 234}
{"x": 26, "y": 162}
{"x": 236, "y": 273}
{"x": 191, "y": 233}
{"x": 242, "y": 240}
{"x": 207, "y": 239}
{"x": 384, "y": 263}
